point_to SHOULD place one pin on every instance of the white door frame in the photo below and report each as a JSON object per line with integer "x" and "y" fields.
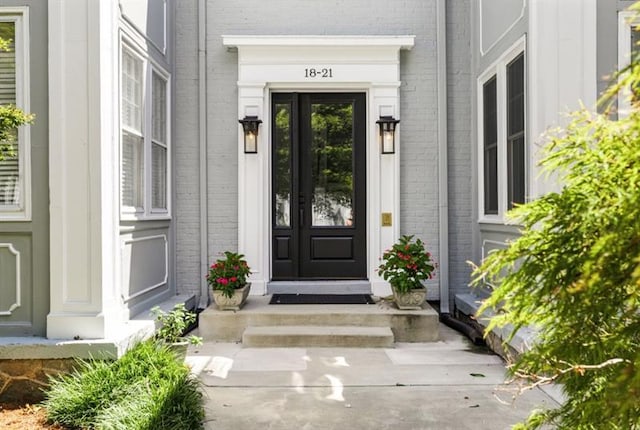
{"x": 369, "y": 64}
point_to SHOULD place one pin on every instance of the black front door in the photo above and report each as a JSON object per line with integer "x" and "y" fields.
{"x": 319, "y": 186}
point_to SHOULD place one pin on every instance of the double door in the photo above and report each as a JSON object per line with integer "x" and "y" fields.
{"x": 319, "y": 186}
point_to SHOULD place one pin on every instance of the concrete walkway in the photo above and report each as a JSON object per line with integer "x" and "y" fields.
{"x": 442, "y": 385}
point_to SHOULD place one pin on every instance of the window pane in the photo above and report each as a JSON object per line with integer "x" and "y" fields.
{"x": 332, "y": 164}
{"x": 10, "y": 178}
{"x": 159, "y": 177}
{"x": 516, "y": 172}
{"x": 635, "y": 39}
{"x": 515, "y": 96}
{"x": 10, "y": 185}
{"x": 159, "y": 113}
{"x": 516, "y": 169}
{"x": 132, "y": 169}
{"x": 282, "y": 177}
{"x": 490, "y": 142}
{"x": 131, "y": 91}
{"x": 8, "y": 65}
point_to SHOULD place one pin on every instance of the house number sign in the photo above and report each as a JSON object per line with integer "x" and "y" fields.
{"x": 318, "y": 73}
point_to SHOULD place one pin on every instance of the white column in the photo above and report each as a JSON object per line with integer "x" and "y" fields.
{"x": 253, "y": 188}
{"x": 83, "y": 168}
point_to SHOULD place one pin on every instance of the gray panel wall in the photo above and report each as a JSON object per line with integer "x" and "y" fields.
{"x": 146, "y": 256}
{"x": 419, "y": 191}
{"x": 31, "y": 239}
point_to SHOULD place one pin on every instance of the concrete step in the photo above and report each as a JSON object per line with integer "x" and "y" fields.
{"x": 318, "y": 336}
{"x": 407, "y": 326}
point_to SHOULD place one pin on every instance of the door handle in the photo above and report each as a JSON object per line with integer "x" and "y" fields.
{"x": 301, "y": 217}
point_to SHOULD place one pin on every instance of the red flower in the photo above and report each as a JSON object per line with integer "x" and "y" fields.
{"x": 234, "y": 279}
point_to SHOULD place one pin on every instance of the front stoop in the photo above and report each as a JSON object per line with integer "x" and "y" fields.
{"x": 261, "y": 324}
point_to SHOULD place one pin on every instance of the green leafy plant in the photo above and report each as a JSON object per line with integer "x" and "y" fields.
{"x": 146, "y": 389}
{"x": 406, "y": 264}
{"x": 229, "y": 273}
{"x": 10, "y": 119}
{"x": 574, "y": 275}
{"x": 173, "y": 324}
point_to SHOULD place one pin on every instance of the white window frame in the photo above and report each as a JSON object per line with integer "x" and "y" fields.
{"x": 499, "y": 70}
{"x": 149, "y": 67}
{"x": 626, "y": 20}
{"x": 20, "y": 17}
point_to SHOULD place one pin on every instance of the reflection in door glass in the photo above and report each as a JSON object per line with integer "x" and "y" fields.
{"x": 282, "y": 145}
{"x": 332, "y": 164}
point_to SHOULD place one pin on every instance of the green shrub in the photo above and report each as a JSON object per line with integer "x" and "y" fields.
{"x": 145, "y": 389}
{"x": 574, "y": 275}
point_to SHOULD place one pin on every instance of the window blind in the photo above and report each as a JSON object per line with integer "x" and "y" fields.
{"x": 9, "y": 166}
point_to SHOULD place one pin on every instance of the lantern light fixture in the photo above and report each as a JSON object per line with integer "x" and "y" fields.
{"x": 250, "y": 126}
{"x": 387, "y": 126}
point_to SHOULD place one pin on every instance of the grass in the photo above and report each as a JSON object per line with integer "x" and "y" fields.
{"x": 148, "y": 388}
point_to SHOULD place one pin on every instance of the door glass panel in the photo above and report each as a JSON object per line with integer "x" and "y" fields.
{"x": 332, "y": 164}
{"x": 282, "y": 145}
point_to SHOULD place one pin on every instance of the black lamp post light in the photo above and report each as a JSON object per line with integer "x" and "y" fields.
{"x": 250, "y": 126}
{"x": 387, "y": 134}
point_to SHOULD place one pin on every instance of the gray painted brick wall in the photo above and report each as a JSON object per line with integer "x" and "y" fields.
{"x": 461, "y": 190}
{"x": 186, "y": 209}
{"x": 419, "y": 154}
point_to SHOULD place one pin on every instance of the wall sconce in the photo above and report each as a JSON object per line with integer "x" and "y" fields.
{"x": 387, "y": 134}
{"x": 250, "y": 126}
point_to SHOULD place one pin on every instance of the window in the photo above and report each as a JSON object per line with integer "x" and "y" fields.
{"x": 502, "y": 153}
{"x": 145, "y": 144}
{"x": 15, "y": 169}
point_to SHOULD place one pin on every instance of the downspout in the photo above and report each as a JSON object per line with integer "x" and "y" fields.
{"x": 203, "y": 300}
{"x": 443, "y": 171}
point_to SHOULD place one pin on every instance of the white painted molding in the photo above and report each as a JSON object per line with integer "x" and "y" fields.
{"x": 486, "y": 242}
{"x": 401, "y": 42}
{"x": 15, "y": 305}
{"x": 126, "y": 297}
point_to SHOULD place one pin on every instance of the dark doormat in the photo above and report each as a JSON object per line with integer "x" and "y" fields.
{"x": 321, "y": 299}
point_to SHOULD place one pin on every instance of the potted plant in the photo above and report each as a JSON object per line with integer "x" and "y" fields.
{"x": 405, "y": 266}
{"x": 228, "y": 279}
{"x": 173, "y": 324}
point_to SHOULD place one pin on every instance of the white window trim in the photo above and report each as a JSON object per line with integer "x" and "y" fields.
{"x": 626, "y": 20}
{"x": 20, "y": 16}
{"x": 499, "y": 70}
{"x": 130, "y": 213}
